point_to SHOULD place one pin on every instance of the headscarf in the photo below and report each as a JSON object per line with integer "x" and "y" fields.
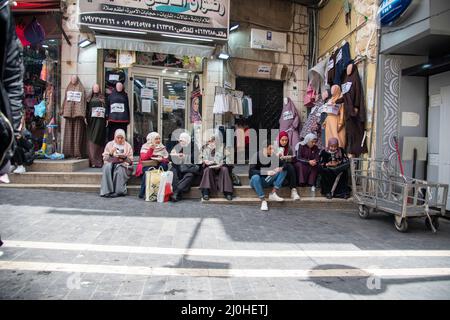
{"x": 332, "y": 142}
{"x": 99, "y": 95}
{"x": 185, "y": 137}
{"x": 285, "y": 148}
{"x": 120, "y": 132}
{"x": 309, "y": 137}
{"x": 158, "y": 150}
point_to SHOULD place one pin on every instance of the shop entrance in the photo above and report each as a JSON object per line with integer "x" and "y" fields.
{"x": 158, "y": 104}
{"x": 267, "y": 97}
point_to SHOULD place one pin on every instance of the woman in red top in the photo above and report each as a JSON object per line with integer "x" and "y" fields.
{"x": 155, "y": 152}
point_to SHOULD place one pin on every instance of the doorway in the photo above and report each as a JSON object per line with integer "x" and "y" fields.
{"x": 267, "y": 99}
{"x": 158, "y": 104}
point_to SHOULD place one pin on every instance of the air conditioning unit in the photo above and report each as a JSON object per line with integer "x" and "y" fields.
{"x": 268, "y": 40}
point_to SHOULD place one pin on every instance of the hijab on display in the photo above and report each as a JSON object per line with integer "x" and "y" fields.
{"x": 286, "y": 147}
{"x": 353, "y": 93}
{"x": 34, "y": 32}
{"x": 309, "y": 137}
{"x": 96, "y": 93}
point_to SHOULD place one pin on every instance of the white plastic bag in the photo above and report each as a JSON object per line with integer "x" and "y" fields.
{"x": 166, "y": 179}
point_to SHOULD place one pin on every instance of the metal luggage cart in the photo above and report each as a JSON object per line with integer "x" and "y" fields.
{"x": 377, "y": 187}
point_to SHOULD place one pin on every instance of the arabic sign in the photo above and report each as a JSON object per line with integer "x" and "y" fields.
{"x": 196, "y": 18}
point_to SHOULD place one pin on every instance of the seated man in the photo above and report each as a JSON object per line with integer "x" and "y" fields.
{"x": 267, "y": 174}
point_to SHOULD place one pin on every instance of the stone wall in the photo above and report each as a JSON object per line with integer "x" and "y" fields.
{"x": 273, "y": 15}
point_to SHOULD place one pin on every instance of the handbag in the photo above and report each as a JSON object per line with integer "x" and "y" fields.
{"x": 152, "y": 181}
{"x": 189, "y": 168}
{"x": 235, "y": 179}
{"x": 310, "y": 96}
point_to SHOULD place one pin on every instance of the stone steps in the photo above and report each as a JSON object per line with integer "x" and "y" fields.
{"x": 40, "y": 165}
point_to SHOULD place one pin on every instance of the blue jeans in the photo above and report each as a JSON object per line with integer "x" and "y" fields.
{"x": 258, "y": 182}
{"x": 165, "y": 166}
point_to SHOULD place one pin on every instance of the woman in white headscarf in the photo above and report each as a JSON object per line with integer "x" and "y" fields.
{"x": 153, "y": 155}
{"x": 118, "y": 166}
{"x": 306, "y": 161}
{"x": 186, "y": 167}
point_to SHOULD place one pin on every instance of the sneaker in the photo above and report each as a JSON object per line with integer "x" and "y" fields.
{"x": 294, "y": 195}
{"x": 12, "y": 168}
{"x": 264, "y": 206}
{"x": 274, "y": 197}
{"x": 313, "y": 189}
{"x": 20, "y": 170}
{"x": 4, "y": 179}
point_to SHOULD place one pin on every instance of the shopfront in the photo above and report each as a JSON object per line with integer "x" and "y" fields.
{"x": 415, "y": 90}
{"x": 161, "y": 62}
{"x": 38, "y": 26}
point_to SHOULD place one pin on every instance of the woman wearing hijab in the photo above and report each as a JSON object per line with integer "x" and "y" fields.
{"x": 216, "y": 175}
{"x": 96, "y": 124}
{"x": 153, "y": 155}
{"x": 286, "y": 156}
{"x": 335, "y": 123}
{"x": 290, "y": 122}
{"x": 307, "y": 160}
{"x": 185, "y": 167}
{"x": 118, "y": 167}
{"x": 333, "y": 168}
{"x": 355, "y": 111}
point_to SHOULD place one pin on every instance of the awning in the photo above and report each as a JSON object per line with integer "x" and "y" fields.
{"x": 178, "y": 49}
{"x": 32, "y": 5}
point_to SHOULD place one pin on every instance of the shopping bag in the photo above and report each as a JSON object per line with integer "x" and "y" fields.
{"x": 152, "y": 180}
{"x": 165, "y": 186}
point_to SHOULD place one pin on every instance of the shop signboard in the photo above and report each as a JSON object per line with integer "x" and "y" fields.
{"x": 268, "y": 40}
{"x": 189, "y": 18}
{"x": 391, "y": 10}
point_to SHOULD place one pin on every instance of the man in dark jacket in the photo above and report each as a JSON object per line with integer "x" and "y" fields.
{"x": 11, "y": 86}
{"x": 117, "y": 111}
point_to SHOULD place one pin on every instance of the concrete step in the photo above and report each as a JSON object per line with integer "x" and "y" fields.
{"x": 306, "y": 201}
{"x": 55, "y": 177}
{"x": 242, "y": 192}
{"x": 59, "y": 165}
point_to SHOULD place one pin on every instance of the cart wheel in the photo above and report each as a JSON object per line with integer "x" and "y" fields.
{"x": 364, "y": 212}
{"x": 435, "y": 221}
{"x": 401, "y": 224}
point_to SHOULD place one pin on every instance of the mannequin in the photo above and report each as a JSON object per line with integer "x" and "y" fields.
{"x": 290, "y": 121}
{"x": 355, "y": 112}
{"x": 117, "y": 111}
{"x": 74, "y": 112}
{"x": 96, "y": 126}
{"x": 335, "y": 122}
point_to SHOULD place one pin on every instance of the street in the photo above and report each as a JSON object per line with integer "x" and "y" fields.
{"x": 62, "y": 245}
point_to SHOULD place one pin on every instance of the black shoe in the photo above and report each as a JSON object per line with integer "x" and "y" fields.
{"x": 329, "y": 196}
{"x": 205, "y": 197}
{"x": 140, "y": 196}
{"x": 113, "y": 195}
{"x": 229, "y": 197}
{"x": 108, "y": 195}
{"x": 174, "y": 197}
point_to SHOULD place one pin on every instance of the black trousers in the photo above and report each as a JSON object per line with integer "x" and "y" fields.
{"x": 182, "y": 182}
{"x": 291, "y": 178}
{"x": 19, "y": 154}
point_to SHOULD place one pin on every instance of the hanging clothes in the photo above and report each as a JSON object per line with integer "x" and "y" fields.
{"x": 290, "y": 122}
{"x": 96, "y": 128}
{"x": 342, "y": 60}
{"x": 314, "y": 124}
{"x": 331, "y": 69}
{"x": 355, "y": 112}
{"x": 317, "y": 75}
{"x": 335, "y": 122}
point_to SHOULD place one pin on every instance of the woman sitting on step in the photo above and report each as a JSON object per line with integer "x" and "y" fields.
{"x": 153, "y": 155}
{"x": 216, "y": 174}
{"x": 118, "y": 166}
{"x": 333, "y": 169}
{"x": 185, "y": 166}
{"x": 286, "y": 156}
{"x": 307, "y": 161}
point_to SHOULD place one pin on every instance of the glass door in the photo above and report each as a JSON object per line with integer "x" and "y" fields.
{"x": 174, "y": 104}
{"x": 145, "y": 109}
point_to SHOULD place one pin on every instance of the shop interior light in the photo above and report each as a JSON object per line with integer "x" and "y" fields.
{"x": 235, "y": 26}
{"x": 140, "y": 84}
{"x": 427, "y": 66}
{"x": 164, "y": 71}
{"x": 187, "y": 38}
{"x": 85, "y": 43}
{"x": 45, "y": 46}
{"x": 224, "y": 56}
